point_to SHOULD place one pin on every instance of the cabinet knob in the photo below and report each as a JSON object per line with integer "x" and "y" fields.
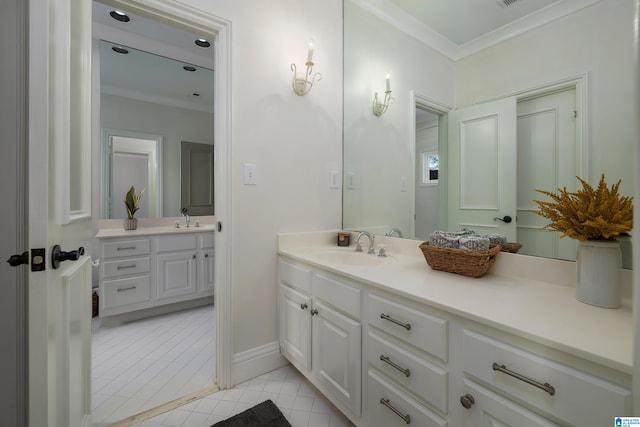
{"x": 467, "y": 401}
{"x": 303, "y": 306}
{"x": 193, "y": 256}
{"x": 314, "y": 311}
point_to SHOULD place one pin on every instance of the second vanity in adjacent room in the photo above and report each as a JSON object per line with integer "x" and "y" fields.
{"x": 391, "y": 342}
{"x": 155, "y": 269}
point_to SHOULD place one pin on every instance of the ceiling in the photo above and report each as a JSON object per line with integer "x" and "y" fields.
{"x": 455, "y": 28}
{"x": 458, "y": 28}
{"x": 153, "y": 70}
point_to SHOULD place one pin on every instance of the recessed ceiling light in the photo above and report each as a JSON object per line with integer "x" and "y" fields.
{"x": 119, "y": 49}
{"x": 119, "y": 16}
{"x": 189, "y": 68}
{"x": 202, "y": 43}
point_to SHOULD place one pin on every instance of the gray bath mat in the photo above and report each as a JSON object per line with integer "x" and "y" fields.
{"x": 265, "y": 414}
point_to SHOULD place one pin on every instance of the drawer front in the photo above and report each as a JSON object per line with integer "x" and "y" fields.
{"x": 294, "y": 275}
{"x": 422, "y": 330}
{"x": 391, "y": 407}
{"x": 121, "y": 293}
{"x": 126, "y": 248}
{"x": 207, "y": 240}
{"x": 177, "y": 243}
{"x": 491, "y": 409}
{"x": 599, "y": 401}
{"x": 422, "y": 378}
{"x": 338, "y": 294}
{"x": 126, "y": 267}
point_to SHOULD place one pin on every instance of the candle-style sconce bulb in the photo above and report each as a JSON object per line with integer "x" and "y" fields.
{"x": 301, "y": 82}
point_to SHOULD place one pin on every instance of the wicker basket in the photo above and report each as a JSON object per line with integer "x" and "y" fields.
{"x": 460, "y": 261}
{"x": 510, "y": 247}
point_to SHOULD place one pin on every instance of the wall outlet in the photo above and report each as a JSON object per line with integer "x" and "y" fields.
{"x": 250, "y": 177}
{"x": 333, "y": 179}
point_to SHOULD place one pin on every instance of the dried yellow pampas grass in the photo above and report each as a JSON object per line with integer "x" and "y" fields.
{"x": 588, "y": 214}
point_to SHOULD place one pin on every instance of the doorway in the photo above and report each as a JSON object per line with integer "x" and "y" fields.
{"x": 212, "y": 28}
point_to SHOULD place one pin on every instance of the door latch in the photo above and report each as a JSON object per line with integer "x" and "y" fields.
{"x": 37, "y": 259}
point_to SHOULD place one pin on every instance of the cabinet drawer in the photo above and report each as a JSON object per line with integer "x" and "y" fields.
{"x": 422, "y": 378}
{"x": 491, "y": 409}
{"x": 207, "y": 240}
{"x": 385, "y": 399}
{"x": 422, "y": 330}
{"x": 338, "y": 294}
{"x": 121, "y": 293}
{"x": 177, "y": 243}
{"x": 295, "y": 276}
{"x": 126, "y": 267}
{"x": 577, "y": 398}
{"x": 126, "y": 248}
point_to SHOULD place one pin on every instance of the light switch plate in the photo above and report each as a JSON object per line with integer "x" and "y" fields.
{"x": 250, "y": 177}
{"x": 351, "y": 180}
{"x": 333, "y": 179}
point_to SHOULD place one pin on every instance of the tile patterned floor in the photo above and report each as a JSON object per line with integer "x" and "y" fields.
{"x": 143, "y": 364}
{"x": 146, "y": 363}
{"x": 299, "y": 401}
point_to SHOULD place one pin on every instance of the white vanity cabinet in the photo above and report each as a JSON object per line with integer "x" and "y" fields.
{"x": 320, "y": 332}
{"x": 423, "y": 365}
{"x": 150, "y": 271}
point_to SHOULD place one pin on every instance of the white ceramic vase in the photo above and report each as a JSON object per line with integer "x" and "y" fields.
{"x": 598, "y": 273}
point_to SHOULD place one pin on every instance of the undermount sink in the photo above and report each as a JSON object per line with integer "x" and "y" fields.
{"x": 348, "y": 257}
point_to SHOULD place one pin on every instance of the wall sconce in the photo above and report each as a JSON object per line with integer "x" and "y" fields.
{"x": 301, "y": 82}
{"x": 379, "y": 108}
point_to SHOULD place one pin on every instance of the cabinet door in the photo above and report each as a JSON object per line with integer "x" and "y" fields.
{"x": 206, "y": 271}
{"x": 295, "y": 327}
{"x": 488, "y": 409}
{"x": 337, "y": 354}
{"x": 176, "y": 276}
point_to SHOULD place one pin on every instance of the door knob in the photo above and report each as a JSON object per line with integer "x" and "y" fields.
{"x": 467, "y": 401}
{"x": 58, "y": 255}
{"x": 506, "y": 219}
{"x": 16, "y": 260}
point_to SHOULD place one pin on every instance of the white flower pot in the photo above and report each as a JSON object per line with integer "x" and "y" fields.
{"x": 130, "y": 223}
{"x": 598, "y": 271}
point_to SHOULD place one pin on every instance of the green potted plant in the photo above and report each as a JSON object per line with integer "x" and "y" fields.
{"x": 132, "y": 201}
{"x": 594, "y": 217}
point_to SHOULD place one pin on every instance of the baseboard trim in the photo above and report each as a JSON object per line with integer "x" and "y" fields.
{"x": 257, "y": 361}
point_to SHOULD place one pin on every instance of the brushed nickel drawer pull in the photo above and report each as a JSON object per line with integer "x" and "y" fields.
{"x": 130, "y": 288}
{"x": 405, "y": 417}
{"x": 125, "y": 248}
{"x": 122, "y": 267}
{"x": 546, "y": 386}
{"x": 387, "y": 359}
{"x": 407, "y": 326}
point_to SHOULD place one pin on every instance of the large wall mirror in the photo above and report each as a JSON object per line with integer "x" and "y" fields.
{"x": 156, "y": 98}
{"x": 559, "y": 75}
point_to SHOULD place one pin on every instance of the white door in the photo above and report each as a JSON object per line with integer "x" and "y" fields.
{"x": 295, "y": 326}
{"x": 59, "y": 299}
{"x": 482, "y": 168}
{"x": 547, "y": 159}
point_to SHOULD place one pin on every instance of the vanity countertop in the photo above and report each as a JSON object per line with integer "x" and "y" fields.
{"x": 524, "y": 303}
{"x": 105, "y": 233}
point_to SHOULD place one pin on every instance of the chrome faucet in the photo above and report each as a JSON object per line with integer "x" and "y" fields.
{"x": 370, "y": 236}
{"x": 394, "y": 231}
{"x": 187, "y": 218}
